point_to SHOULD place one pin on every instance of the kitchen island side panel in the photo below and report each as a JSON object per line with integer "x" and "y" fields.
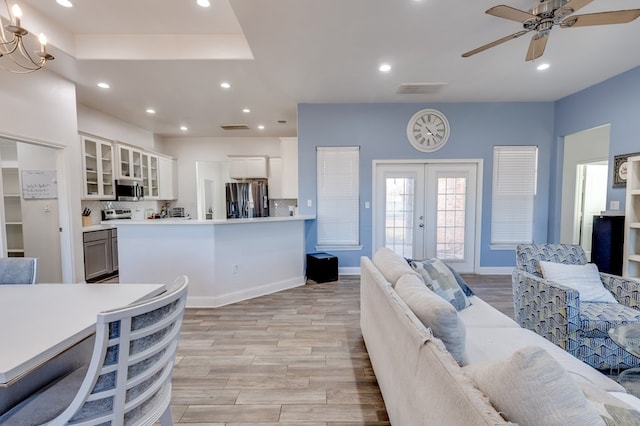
{"x": 225, "y": 262}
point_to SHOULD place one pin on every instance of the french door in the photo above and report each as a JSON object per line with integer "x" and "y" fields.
{"x": 427, "y": 210}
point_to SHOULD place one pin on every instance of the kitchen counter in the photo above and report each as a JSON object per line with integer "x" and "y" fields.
{"x": 226, "y": 260}
{"x": 187, "y": 221}
{"x": 97, "y": 227}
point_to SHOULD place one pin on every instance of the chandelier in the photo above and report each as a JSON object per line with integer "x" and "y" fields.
{"x": 14, "y": 57}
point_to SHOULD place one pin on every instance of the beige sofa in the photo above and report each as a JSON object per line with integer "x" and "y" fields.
{"x": 421, "y": 382}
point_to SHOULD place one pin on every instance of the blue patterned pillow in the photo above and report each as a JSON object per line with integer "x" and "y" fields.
{"x": 461, "y": 282}
{"x": 439, "y": 278}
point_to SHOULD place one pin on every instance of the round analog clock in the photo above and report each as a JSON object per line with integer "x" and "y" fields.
{"x": 428, "y": 130}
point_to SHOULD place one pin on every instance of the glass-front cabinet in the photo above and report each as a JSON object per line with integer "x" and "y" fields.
{"x": 97, "y": 156}
{"x": 150, "y": 176}
{"x": 129, "y": 163}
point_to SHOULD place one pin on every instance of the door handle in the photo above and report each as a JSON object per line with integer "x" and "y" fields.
{"x": 421, "y": 225}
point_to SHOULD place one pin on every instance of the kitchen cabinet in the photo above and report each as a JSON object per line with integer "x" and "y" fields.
{"x": 248, "y": 167}
{"x": 100, "y": 256}
{"x": 97, "y": 162}
{"x": 631, "y": 265}
{"x": 167, "y": 178}
{"x": 275, "y": 178}
{"x": 150, "y": 176}
{"x": 129, "y": 163}
{"x": 289, "y": 154}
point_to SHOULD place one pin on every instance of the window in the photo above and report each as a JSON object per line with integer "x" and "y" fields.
{"x": 338, "y": 214}
{"x": 514, "y": 190}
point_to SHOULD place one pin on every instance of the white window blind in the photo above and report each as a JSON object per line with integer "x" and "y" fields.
{"x": 338, "y": 210}
{"x": 514, "y": 190}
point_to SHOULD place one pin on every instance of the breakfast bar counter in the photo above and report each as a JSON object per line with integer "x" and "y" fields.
{"x": 226, "y": 260}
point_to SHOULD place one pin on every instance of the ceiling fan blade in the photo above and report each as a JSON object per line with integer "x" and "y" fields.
{"x": 574, "y": 5}
{"x": 601, "y": 18}
{"x": 494, "y": 43}
{"x": 508, "y": 12}
{"x": 537, "y": 45}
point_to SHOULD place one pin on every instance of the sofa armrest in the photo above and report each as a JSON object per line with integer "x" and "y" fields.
{"x": 625, "y": 290}
{"x": 546, "y": 307}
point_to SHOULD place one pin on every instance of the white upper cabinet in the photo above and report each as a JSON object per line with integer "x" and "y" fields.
{"x": 129, "y": 163}
{"x": 275, "y": 178}
{"x": 248, "y": 167}
{"x": 167, "y": 178}
{"x": 289, "y": 155}
{"x": 150, "y": 176}
{"x": 97, "y": 162}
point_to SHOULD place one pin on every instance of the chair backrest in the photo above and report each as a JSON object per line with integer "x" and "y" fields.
{"x": 18, "y": 270}
{"x": 128, "y": 381}
{"x": 528, "y": 256}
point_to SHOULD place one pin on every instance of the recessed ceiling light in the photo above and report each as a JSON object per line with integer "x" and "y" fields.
{"x": 384, "y": 68}
{"x": 151, "y": 111}
{"x": 260, "y": 127}
{"x": 225, "y": 85}
{"x": 64, "y": 3}
{"x": 204, "y": 3}
{"x": 246, "y": 110}
{"x": 184, "y": 128}
{"x": 543, "y": 67}
{"x": 103, "y": 85}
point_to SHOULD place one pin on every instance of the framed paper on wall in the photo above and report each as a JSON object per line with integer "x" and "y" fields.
{"x": 620, "y": 169}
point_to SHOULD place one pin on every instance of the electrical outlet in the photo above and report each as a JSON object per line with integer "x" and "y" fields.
{"x": 367, "y": 205}
{"x": 309, "y": 203}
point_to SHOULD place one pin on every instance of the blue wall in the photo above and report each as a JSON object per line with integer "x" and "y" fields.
{"x": 380, "y": 131}
{"x": 615, "y": 101}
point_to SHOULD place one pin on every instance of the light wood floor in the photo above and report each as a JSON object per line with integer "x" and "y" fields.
{"x": 296, "y": 357}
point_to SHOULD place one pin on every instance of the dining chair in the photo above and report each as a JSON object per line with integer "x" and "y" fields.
{"x": 18, "y": 270}
{"x": 128, "y": 380}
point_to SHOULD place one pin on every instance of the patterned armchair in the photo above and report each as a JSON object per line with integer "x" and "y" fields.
{"x": 555, "y": 311}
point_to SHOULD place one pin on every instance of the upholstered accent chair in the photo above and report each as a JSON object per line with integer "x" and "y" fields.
{"x": 18, "y": 270}
{"x": 556, "y": 312}
{"x": 128, "y": 380}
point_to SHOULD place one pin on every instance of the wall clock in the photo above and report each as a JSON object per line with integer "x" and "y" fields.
{"x": 428, "y": 130}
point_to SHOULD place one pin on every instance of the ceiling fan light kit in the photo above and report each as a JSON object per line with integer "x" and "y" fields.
{"x": 546, "y": 14}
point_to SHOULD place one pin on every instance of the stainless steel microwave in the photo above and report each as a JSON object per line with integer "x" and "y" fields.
{"x": 127, "y": 190}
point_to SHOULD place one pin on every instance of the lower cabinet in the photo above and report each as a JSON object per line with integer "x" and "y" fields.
{"x": 100, "y": 254}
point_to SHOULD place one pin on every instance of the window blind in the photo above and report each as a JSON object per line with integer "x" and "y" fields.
{"x": 514, "y": 190}
{"x": 338, "y": 209}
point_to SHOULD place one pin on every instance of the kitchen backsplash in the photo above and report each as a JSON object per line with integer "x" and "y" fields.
{"x": 281, "y": 207}
{"x": 137, "y": 208}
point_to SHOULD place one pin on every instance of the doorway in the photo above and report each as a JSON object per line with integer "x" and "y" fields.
{"x": 425, "y": 210}
{"x": 584, "y": 186}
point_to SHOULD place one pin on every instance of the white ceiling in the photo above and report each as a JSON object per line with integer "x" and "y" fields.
{"x": 171, "y": 55}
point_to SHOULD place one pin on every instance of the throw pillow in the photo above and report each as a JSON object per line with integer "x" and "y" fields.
{"x": 584, "y": 278}
{"x": 435, "y": 313}
{"x": 530, "y": 388}
{"x": 612, "y": 410}
{"x": 439, "y": 278}
{"x": 461, "y": 282}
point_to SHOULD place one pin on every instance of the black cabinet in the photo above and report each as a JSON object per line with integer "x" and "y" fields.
{"x": 607, "y": 243}
{"x": 322, "y": 267}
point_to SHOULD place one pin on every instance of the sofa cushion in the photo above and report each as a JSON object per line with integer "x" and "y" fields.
{"x": 439, "y": 278}
{"x": 481, "y": 314}
{"x": 493, "y": 344}
{"x": 531, "y": 389}
{"x": 584, "y": 278}
{"x": 596, "y": 319}
{"x": 391, "y": 265}
{"x": 435, "y": 313}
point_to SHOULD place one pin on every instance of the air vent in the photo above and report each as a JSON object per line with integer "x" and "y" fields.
{"x": 235, "y": 127}
{"x": 420, "y": 88}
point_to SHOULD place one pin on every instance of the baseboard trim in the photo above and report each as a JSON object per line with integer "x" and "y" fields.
{"x": 238, "y": 296}
{"x": 495, "y": 270}
{"x": 352, "y": 270}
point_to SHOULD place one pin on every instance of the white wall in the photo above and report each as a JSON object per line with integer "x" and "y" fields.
{"x": 41, "y": 107}
{"x": 107, "y": 127}
{"x": 189, "y": 150}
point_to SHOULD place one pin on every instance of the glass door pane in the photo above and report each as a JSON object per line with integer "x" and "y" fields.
{"x": 399, "y": 215}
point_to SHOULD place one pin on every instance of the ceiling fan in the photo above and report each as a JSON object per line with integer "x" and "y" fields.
{"x": 542, "y": 17}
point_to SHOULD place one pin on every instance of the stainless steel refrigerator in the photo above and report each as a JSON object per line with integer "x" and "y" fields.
{"x": 247, "y": 199}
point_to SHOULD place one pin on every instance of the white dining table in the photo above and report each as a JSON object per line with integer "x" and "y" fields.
{"x": 40, "y": 322}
